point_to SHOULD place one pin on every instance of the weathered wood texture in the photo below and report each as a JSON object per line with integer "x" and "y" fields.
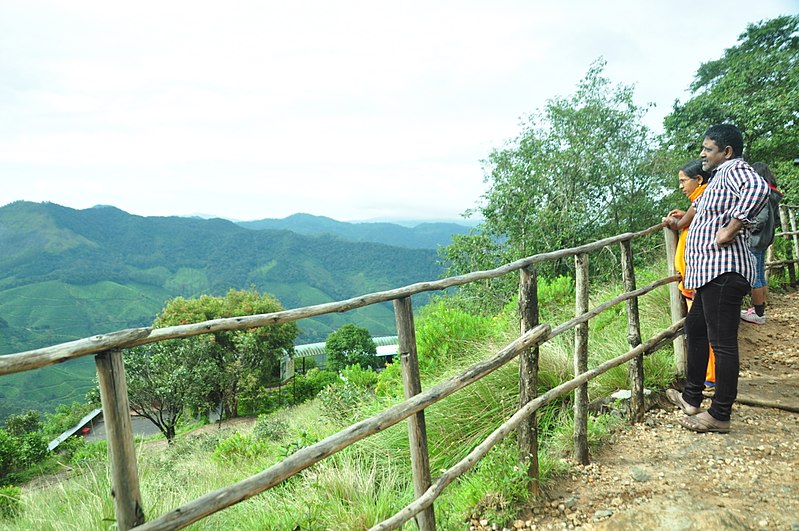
{"x": 790, "y": 254}
{"x": 302, "y": 459}
{"x": 417, "y": 430}
{"x": 636, "y": 367}
{"x": 676, "y": 304}
{"x": 581, "y": 360}
{"x": 794, "y": 238}
{"x": 121, "y": 450}
{"x": 780, "y": 263}
{"x": 528, "y": 377}
{"x": 34, "y": 359}
{"x": 776, "y": 404}
{"x": 452, "y": 473}
{"x": 568, "y": 325}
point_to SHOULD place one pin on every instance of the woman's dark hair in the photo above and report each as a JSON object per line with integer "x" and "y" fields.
{"x": 763, "y": 170}
{"x": 694, "y": 170}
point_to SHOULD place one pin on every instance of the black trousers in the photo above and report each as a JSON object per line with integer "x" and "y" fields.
{"x": 714, "y": 319}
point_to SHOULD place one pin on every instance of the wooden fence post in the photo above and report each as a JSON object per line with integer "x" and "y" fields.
{"x": 581, "y": 359}
{"x": 676, "y": 304}
{"x": 788, "y": 252}
{"x": 636, "y": 368}
{"x": 795, "y": 237}
{"x": 121, "y": 450}
{"x": 528, "y": 377}
{"x": 417, "y": 431}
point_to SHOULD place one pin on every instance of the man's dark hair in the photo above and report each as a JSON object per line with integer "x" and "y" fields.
{"x": 726, "y": 135}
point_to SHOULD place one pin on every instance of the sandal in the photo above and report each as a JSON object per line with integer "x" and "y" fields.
{"x": 675, "y": 397}
{"x": 704, "y": 424}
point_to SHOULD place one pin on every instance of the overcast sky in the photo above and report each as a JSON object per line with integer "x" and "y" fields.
{"x": 352, "y": 110}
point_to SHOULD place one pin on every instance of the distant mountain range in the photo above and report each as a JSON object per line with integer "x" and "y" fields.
{"x": 67, "y": 274}
{"x": 424, "y": 235}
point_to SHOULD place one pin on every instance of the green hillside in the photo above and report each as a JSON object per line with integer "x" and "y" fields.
{"x": 67, "y": 274}
{"x": 421, "y": 236}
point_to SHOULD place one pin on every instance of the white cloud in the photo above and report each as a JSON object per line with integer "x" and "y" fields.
{"x": 347, "y": 109}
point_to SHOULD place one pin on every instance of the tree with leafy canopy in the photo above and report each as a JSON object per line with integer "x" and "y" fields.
{"x": 755, "y": 86}
{"x": 350, "y": 345}
{"x": 580, "y": 170}
{"x": 196, "y": 373}
{"x": 168, "y": 379}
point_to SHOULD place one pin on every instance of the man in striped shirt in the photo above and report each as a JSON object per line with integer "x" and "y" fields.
{"x": 720, "y": 268}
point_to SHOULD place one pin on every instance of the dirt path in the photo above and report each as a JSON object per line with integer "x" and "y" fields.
{"x": 660, "y": 476}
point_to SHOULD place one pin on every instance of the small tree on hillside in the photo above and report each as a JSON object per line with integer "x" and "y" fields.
{"x": 350, "y": 345}
{"x": 168, "y": 379}
{"x": 252, "y": 355}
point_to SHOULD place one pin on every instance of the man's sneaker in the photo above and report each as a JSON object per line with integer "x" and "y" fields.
{"x": 750, "y": 316}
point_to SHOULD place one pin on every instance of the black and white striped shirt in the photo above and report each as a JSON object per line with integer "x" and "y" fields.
{"x": 735, "y": 191}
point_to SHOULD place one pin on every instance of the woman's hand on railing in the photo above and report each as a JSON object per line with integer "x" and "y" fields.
{"x": 671, "y": 222}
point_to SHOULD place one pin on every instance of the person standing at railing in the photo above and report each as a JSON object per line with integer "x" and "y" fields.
{"x": 720, "y": 269}
{"x": 762, "y": 236}
{"x": 692, "y": 180}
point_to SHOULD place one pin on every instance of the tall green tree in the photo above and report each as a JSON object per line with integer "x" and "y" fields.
{"x": 350, "y": 345}
{"x": 169, "y": 379}
{"x": 579, "y": 170}
{"x": 212, "y": 369}
{"x": 754, "y": 85}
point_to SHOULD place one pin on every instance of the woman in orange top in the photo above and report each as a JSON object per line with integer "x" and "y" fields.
{"x": 693, "y": 181}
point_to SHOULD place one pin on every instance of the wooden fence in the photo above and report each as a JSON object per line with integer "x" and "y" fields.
{"x": 107, "y": 349}
{"x": 791, "y": 234}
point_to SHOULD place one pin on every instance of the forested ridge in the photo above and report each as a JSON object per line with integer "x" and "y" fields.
{"x": 427, "y": 235}
{"x": 67, "y": 274}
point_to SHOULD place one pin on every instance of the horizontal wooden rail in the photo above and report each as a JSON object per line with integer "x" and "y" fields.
{"x": 780, "y": 264}
{"x": 435, "y": 490}
{"x": 34, "y": 359}
{"x": 220, "y": 499}
{"x": 612, "y": 302}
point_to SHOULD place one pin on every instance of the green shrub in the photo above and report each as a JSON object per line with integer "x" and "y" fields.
{"x": 303, "y": 441}
{"x": 9, "y": 453}
{"x": 312, "y": 382}
{"x": 95, "y": 452}
{"x": 360, "y": 377}
{"x": 33, "y": 448}
{"x": 18, "y": 425}
{"x": 443, "y": 335}
{"x": 10, "y": 503}
{"x": 340, "y": 402}
{"x": 498, "y": 484}
{"x": 70, "y": 446}
{"x": 296, "y": 391}
{"x": 444, "y": 332}
{"x": 237, "y": 447}
{"x": 17, "y": 452}
{"x": 269, "y": 428}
